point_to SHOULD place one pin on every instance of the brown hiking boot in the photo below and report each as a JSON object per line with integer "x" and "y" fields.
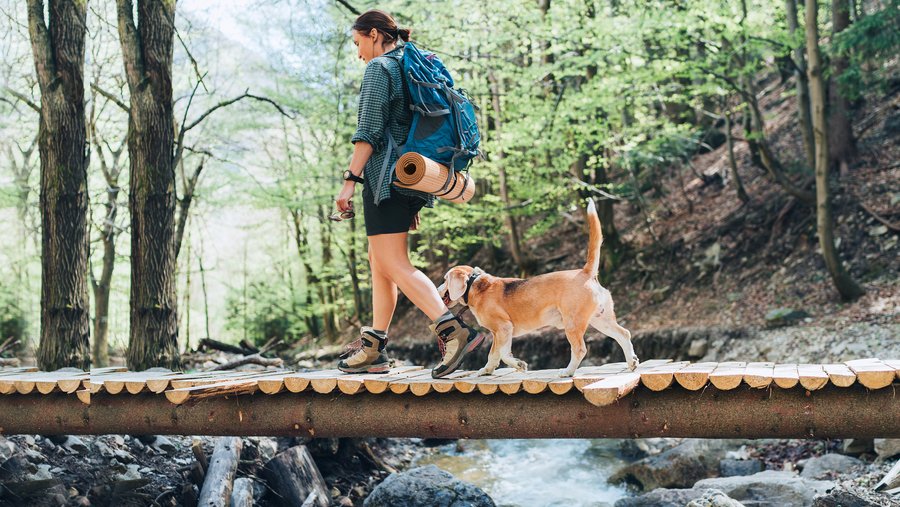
{"x": 455, "y": 339}
{"x": 365, "y": 355}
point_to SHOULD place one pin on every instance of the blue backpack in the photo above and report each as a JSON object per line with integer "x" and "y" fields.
{"x": 443, "y": 126}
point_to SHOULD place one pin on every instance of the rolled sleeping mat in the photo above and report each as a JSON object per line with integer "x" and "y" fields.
{"x": 420, "y": 173}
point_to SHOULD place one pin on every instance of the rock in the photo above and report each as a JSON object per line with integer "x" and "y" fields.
{"x": 345, "y": 501}
{"x": 662, "y": 498}
{"x": 737, "y": 467}
{"x": 164, "y": 446}
{"x": 104, "y": 450}
{"x": 887, "y": 447}
{"x": 820, "y": 467}
{"x": 7, "y": 449}
{"x": 76, "y": 445}
{"x": 858, "y": 446}
{"x": 428, "y": 485}
{"x": 698, "y": 348}
{"x": 784, "y": 317}
{"x": 678, "y": 467}
{"x": 714, "y": 498}
{"x": 633, "y": 449}
{"x": 841, "y": 498}
{"x": 782, "y": 489}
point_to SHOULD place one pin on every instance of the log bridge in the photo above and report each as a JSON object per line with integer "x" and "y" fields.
{"x": 661, "y": 398}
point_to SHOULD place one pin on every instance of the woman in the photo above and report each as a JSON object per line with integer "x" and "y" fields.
{"x": 390, "y": 212}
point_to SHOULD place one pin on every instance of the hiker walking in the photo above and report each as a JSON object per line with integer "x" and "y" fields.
{"x": 390, "y": 212}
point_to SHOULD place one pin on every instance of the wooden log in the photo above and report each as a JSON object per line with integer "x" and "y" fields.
{"x": 610, "y": 389}
{"x": 247, "y": 492}
{"x": 199, "y": 454}
{"x": 209, "y": 343}
{"x": 891, "y": 480}
{"x": 785, "y": 376}
{"x": 727, "y": 376}
{"x": 293, "y": 476}
{"x": 183, "y": 394}
{"x": 812, "y": 376}
{"x": 840, "y": 374}
{"x": 378, "y": 384}
{"x": 695, "y": 376}
{"x": 872, "y": 373}
{"x": 219, "y": 481}
{"x": 401, "y": 385}
{"x": 895, "y": 364}
{"x": 661, "y": 377}
{"x": 759, "y": 375}
{"x": 84, "y": 395}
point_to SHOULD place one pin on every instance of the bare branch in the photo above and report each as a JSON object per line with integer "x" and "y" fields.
{"x": 24, "y": 99}
{"x": 349, "y": 7}
{"x": 112, "y": 98}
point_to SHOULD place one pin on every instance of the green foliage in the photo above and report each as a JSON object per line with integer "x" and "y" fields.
{"x": 13, "y": 323}
{"x": 869, "y": 43}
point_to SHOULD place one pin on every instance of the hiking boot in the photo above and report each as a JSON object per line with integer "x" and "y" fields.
{"x": 365, "y": 355}
{"x": 455, "y": 340}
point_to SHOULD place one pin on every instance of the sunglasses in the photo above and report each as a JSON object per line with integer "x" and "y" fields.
{"x": 337, "y": 216}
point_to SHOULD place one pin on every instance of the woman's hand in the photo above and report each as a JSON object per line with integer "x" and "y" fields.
{"x": 343, "y": 199}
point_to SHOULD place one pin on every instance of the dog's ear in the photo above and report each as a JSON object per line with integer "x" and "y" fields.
{"x": 456, "y": 284}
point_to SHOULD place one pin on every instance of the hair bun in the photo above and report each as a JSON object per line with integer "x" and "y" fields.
{"x": 403, "y": 33}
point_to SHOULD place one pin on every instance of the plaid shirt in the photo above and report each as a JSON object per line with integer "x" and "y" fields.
{"x": 382, "y": 102}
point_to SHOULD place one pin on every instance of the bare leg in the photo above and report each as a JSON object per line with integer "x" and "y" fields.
{"x": 389, "y": 253}
{"x": 384, "y": 296}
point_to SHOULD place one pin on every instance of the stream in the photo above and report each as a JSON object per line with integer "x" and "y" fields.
{"x": 539, "y": 473}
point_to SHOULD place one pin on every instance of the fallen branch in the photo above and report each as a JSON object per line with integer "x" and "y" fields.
{"x": 209, "y": 343}
{"x": 251, "y": 359}
{"x": 876, "y": 216}
{"x": 10, "y": 361}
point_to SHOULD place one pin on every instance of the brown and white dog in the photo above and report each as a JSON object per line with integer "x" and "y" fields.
{"x": 570, "y": 300}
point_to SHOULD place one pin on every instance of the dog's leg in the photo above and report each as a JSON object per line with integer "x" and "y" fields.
{"x": 502, "y": 338}
{"x": 607, "y": 325}
{"x": 575, "y": 334}
{"x": 508, "y": 359}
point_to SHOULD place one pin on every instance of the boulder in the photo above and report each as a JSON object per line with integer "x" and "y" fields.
{"x": 769, "y": 488}
{"x": 842, "y": 498}
{"x": 822, "y": 466}
{"x": 858, "y": 446}
{"x": 714, "y": 498}
{"x": 730, "y": 467}
{"x": 428, "y": 485}
{"x": 662, "y": 498}
{"x": 678, "y": 467}
{"x": 887, "y": 447}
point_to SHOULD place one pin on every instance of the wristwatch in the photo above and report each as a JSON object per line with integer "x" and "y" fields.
{"x": 348, "y": 175}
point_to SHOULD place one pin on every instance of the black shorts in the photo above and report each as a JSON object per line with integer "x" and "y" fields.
{"x": 391, "y": 215}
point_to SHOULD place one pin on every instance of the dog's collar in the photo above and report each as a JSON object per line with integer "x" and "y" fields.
{"x": 469, "y": 282}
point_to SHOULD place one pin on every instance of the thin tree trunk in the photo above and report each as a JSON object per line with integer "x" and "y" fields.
{"x": 842, "y": 144}
{"x": 59, "y": 63}
{"x": 205, "y": 292}
{"x": 312, "y": 279}
{"x": 147, "y": 50}
{"x": 328, "y": 302}
{"x": 354, "y": 274}
{"x": 512, "y": 227}
{"x": 738, "y": 184}
{"x": 845, "y": 285}
{"x": 803, "y": 114}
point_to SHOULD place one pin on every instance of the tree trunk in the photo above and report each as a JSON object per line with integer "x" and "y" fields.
{"x": 354, "y": 274}
{"x": 738, "y": 184}
{"x": 65, "y": 306}
{"x": 147, "y": 51}
{"x": 803, "y": 114}
{"x": 514, "y": 242}
{"x": 219, "y": 481}
{"x": 845, "y": 285}
{"x": 312, "y": 279}
{"x": 842, "y": 144}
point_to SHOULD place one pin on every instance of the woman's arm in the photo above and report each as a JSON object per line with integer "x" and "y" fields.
{"x": 361, "y": 153}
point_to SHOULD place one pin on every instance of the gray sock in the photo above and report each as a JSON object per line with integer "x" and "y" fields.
{"x": 445, "y": 317}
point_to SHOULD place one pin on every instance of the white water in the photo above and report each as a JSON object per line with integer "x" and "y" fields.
{"x": 538, "y": 473}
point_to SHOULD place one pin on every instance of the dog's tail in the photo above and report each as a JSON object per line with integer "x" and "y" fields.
{"x": 596, "y": 239}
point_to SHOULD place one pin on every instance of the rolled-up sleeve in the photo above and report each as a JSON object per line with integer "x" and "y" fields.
{"x": 374, "y": 100}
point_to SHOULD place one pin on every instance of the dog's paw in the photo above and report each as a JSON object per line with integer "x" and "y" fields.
{"x": 521, "y": 365}
{"x": 483, "y": 372}
{"x": 633, "y": 362}
{"x": 565, "y": 373}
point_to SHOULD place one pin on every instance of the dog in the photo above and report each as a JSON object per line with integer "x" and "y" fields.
{"x": 570, "y": 300}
